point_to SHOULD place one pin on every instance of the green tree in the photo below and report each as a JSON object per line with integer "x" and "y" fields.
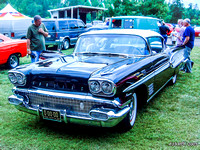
{"x": 177, "y": 10}
{"x": 155, "y": 8}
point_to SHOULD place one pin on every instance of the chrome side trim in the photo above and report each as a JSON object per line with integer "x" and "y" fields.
{"x": 158, "y": 90}
{"x": 173, "y": 63}
{"x": 146, "y": 78}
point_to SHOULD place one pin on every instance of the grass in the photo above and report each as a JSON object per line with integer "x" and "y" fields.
{"x": 171, "y": 118}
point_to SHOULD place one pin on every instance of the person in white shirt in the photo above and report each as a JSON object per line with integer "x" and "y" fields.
{"x": 179, "y": 36}
{"x": 174, "y": 36}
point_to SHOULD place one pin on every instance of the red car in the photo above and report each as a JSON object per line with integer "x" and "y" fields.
{"x": 11, "y": 50}
{"x": 197, "y": 31}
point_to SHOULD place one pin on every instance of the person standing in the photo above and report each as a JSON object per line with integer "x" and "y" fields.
{"x": 179, "y": 36}
{"x": 174, "y": 35}
{"x": 188, "y": 38}
{"x": 36, "y": 38}
{"x": 163, "y": 31}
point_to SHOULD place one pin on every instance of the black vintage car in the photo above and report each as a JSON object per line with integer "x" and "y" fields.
{"x": 110, "y": 74}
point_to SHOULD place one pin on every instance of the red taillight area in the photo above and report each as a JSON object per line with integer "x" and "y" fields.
{"x": 56, "y": 35}
{"x": 12, "y": 34}
{"x": 42, "y": 58}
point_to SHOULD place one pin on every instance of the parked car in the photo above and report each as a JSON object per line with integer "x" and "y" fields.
{"x": 197, "y": 31}
{"x": 134, "y": 22}
{"x": 109, "y": 74}
{"x": 11, "y": 50}
{"x": 98, "y": 27}
{"x": 63, "y": 30}
{"x": 171, "y": 28}
{"x": 96, "y": 22}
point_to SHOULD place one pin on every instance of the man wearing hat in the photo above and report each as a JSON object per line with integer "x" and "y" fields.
{"x": 188, "y": 38}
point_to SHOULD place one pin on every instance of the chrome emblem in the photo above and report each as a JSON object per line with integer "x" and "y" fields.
{"x": 81, "y": 106}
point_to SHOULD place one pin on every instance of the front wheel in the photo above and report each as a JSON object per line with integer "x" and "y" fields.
{"x": 129, "y": 120}
{"x": 66, "y": 44}
{"x": 13, "y": 61}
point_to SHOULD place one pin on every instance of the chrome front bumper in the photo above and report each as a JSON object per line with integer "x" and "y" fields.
{"x": 98, "y": 116}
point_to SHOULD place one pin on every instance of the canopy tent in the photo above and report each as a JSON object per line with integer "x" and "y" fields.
{"x": 9, "y": 13}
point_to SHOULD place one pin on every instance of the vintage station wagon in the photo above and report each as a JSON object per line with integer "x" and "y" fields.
{"x": 110, "y": 74}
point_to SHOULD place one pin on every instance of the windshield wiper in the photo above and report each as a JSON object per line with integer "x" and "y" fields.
{"x": 86, "y": 53}
{"x": 102, "y": 54}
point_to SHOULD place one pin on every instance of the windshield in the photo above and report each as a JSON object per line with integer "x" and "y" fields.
{"x": 112, "y": 44}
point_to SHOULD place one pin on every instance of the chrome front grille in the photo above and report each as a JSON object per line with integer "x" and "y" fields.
{"x": 61, "y": 85}
{"x": 71, "y": 105}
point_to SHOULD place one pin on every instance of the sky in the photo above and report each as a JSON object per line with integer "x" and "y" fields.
{"x": 186, "y": 2}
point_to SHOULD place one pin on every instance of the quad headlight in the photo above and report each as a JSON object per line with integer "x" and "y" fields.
{"x": 95, "y": 86}
{"x": 17, "y": 78}
{"x": 102, "y": 87}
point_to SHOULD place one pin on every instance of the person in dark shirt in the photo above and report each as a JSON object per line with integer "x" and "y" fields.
{"x": 36, "y": 38}
{"x": 188, "y": 38}
{"x": 163, "y": 31}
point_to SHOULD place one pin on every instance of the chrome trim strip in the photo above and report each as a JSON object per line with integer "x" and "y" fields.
{"x": 70, "y": 95}
{"x": 177, "y": 62}
{"x": 158, "y": 90}
{"x": 146, "y": 78}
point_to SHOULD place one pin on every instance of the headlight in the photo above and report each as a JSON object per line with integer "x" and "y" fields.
{"x": 107, "y": 87}
{"x": 101, "y": 87}
{"x": 17, "y": 78}
{"x": 12, "y": 78}
{"x": 94, "y": 86}
{"x": 20, "y": 78}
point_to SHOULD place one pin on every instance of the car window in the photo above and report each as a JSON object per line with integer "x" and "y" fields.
{"x": 81, "y": 24}
{"x": 73, "y": 24}
{"x": 129, "y": 23}
{"x": 1, "y": 40}
{"x": 116, "y": 23}
{"x": 119, "y": 44}
{"x": 155, "y": 44}
{"x": 63, "y": 25}
{"x": 50, "y": 25}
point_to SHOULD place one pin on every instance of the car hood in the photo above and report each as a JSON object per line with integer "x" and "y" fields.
{"x": 80, "y": 67}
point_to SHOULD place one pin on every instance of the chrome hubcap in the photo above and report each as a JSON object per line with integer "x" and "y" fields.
{"x": 13, "y": 61}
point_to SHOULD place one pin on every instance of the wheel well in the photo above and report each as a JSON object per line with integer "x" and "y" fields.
{"x": 24, "y": 37}
{"x": 18, "y": 54}
{"x": 67, "y": 39}
{"x": 141, "y": 95}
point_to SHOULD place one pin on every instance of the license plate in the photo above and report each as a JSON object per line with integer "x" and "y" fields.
{"x": 51, "y": 115}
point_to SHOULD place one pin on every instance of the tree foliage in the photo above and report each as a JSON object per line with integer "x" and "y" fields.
{"x": 170, "y": 12}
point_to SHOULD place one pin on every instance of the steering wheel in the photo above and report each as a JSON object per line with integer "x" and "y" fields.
{"x": 135, "y": 50}
{"x": 90, "y": 48}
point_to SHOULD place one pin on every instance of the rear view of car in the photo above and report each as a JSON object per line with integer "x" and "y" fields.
{"x": 134, "y": 22}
